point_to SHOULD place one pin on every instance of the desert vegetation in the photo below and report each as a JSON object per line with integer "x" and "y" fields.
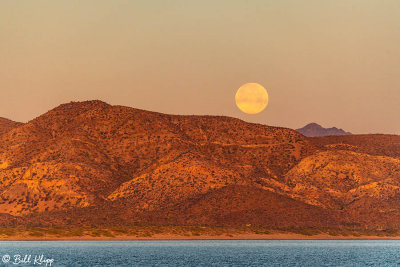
{"x": 90, "y": 165}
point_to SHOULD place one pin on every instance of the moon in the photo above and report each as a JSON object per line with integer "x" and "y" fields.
{"x": 251, "y": 98}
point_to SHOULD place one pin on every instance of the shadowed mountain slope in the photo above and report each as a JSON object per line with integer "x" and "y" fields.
{"x": 372, "y": 144}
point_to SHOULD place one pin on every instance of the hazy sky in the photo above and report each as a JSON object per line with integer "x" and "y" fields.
{"x": 332, "y": 62}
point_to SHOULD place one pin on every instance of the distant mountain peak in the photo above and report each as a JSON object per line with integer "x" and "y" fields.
{"x": 314, "y": 129}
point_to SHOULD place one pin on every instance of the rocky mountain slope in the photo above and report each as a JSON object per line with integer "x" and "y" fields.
{"x": 7, "y": 125}
{"x": 314, "y": 130}
{"x": 90, "y": 163}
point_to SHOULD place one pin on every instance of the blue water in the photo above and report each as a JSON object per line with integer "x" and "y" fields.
{"x": 204, "y": 253}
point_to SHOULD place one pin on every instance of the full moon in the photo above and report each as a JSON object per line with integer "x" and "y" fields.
{"x": 251, "y": 98}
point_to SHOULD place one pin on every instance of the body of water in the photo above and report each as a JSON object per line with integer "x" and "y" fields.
{"x": 201, "y": 253}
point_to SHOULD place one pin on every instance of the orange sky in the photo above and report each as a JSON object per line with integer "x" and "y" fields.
{"x": 332, "y": 62}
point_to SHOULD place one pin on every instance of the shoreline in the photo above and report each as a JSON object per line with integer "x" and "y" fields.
{"x": 172, "y": 237}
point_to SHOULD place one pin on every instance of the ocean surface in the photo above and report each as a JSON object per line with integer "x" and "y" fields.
{"x": 201, "y": 253}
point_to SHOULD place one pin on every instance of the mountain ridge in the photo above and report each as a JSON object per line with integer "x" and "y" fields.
{"x": 91, "y": 163}
{"x": 7, "y": 125}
